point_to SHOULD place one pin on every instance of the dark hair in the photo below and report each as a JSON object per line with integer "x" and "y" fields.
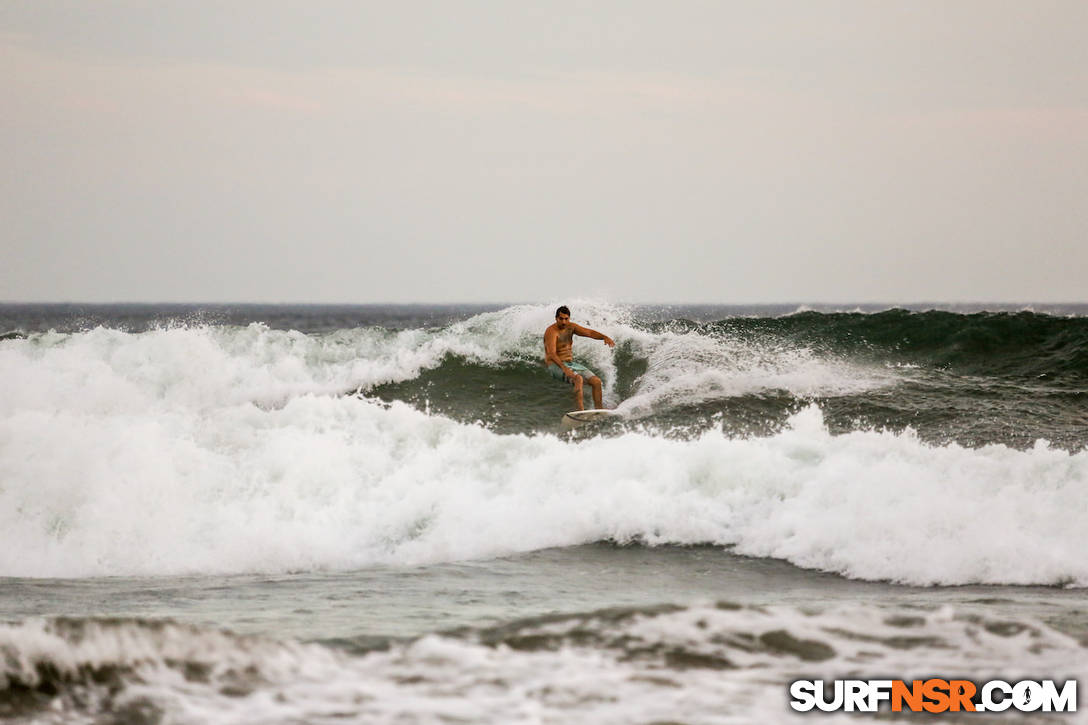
{"x": 562, "y": 311}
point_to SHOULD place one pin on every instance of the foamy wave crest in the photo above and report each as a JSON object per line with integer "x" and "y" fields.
{"x": 109, "y": 371}
{"x": 692, "y": 368}
{"x": 106, "y": 370}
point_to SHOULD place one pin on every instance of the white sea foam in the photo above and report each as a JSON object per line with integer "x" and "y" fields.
{"x": 692, "y": 368}
{"x": 698, "y": 664}
{"x": 230, "y": 450}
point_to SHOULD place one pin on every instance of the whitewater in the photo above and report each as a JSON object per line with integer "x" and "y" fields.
{"x": 226, "y": 449}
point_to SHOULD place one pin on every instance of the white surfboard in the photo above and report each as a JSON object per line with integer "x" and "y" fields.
{"x": 577, "y": 418}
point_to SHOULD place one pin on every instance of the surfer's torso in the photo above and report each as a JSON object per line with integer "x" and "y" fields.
{"x": 563, "y": 345}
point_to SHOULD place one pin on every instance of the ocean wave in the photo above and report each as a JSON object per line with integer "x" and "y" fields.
{"x": 1019, "y": 344}
{"x": 334, "y": 482}
{"x": 178, "y": 367}
{"x": 235, "y": 449}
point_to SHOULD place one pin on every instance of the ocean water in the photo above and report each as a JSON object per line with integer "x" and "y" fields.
{"x": 313, "y": 514}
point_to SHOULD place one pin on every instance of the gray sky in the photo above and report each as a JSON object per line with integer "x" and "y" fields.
{"x": 449, "y": 151}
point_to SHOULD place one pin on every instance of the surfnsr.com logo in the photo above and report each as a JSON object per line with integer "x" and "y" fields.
{"x": 933, "y": 695}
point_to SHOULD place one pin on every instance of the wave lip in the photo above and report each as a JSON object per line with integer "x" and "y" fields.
{"x": 693, "y": 368}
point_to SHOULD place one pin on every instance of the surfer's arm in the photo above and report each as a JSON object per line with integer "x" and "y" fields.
{"x": 586, "y": 332}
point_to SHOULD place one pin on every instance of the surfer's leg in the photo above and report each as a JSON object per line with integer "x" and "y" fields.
{"x": 578, "y": 404}
{"x": 595, "y": 383}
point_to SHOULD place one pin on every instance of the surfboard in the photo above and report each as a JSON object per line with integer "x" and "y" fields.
{"x": 577, "y": 418}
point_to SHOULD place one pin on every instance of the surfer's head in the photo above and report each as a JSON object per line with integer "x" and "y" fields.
{"x": 562, "y": 317}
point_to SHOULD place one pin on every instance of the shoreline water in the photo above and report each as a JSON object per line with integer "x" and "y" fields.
{"x": 596, "y": 633}
{"x": 408, "y": 602}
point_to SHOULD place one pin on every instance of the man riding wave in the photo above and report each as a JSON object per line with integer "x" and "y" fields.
{"x": 559, "y": 356}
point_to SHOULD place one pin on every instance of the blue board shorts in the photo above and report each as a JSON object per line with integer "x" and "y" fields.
{"x": 578, "y": 368}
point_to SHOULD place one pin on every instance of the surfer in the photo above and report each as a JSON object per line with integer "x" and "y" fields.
{"x": 559, "y": 357}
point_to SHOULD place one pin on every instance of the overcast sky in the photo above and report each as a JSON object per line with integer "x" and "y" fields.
{"x": 490, "y": 151}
